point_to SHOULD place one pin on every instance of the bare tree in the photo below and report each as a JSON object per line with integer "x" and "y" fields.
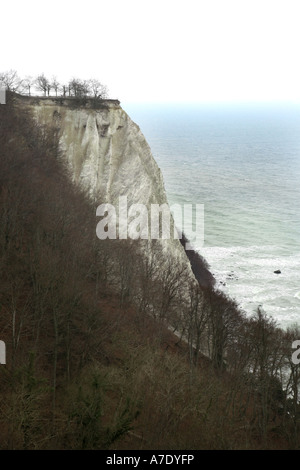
{"x": 97, "y": 89}
{"x": 196, "y": 319}
{"x": 55, "y": 85}
{"x": 85, "y": 88}
{"x": 27, "y": 84}
{"x": 10, "y": 80}
{"x": 64, "y": 89}
{"x": 267, "y": 360}
{"x": 147, "y": 270}
{"x": 171, "y": 284}
{"x": 78, "y": 88}
{"x": 42, "y": 84}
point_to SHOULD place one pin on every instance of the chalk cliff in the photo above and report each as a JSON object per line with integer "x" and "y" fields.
{"x": 106, "y": 151}
{"x": 107, "y": 154}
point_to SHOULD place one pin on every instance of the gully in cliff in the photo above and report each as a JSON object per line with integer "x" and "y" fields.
{"x": 135, "y": 222}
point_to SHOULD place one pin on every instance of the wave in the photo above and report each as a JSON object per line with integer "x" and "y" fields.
{"x": 247, "y": 274}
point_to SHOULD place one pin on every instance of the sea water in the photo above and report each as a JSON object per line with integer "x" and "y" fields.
{"x": 243, "y": 163}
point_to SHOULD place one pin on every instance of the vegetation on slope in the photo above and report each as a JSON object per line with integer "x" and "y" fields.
{"x": 91, "y": 360}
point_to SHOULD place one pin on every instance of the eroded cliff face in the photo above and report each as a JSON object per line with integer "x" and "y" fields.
{"x": 108, "y": 155}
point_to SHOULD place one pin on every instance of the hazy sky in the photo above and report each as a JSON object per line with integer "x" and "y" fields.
{"x": 160, "y": 50}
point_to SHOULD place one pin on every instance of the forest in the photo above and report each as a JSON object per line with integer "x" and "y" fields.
{"x": 109, "y": 349}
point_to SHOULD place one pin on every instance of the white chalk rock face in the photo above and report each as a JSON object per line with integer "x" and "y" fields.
{"x": 108, "y": 155}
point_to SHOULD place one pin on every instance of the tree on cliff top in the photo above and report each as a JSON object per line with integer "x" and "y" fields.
{"x": 10, "y": 80}
{"x": 42, "y": 84}
{"x": 97, "y": 89}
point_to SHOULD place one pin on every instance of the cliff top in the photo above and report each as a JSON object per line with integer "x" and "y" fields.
{"x": 69, "y": 101}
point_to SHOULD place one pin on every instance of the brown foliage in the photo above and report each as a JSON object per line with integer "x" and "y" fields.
{"x": 91, "y": 360}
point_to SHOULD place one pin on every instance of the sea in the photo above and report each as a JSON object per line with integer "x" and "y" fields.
{"x": 242, "y": 162}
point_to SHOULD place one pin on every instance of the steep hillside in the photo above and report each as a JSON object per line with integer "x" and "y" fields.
{"x": 91, "y": 362}
{"x": 107, "y": 155}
